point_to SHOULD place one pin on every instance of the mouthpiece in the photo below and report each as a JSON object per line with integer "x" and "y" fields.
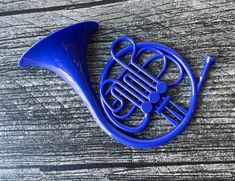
{"x": 208, "y": 61}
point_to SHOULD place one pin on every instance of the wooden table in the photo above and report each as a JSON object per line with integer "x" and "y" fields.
{"x": 47, "y": 133}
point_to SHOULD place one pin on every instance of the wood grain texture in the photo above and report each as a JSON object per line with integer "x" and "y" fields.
{"x": 47, "y": 133}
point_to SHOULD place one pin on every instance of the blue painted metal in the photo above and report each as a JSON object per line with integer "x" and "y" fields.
{"x": 64, "y": 52}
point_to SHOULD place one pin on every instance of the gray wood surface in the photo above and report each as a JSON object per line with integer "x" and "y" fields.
{"x": 47, "y": 133}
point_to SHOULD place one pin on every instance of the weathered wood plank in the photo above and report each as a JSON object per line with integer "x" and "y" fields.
{"x": 187, "y": 172}
{"x": 44, "y": 125}
{"x": 9, "y": 7}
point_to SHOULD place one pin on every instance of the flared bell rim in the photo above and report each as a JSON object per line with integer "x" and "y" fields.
{"x": 95, "y": 25}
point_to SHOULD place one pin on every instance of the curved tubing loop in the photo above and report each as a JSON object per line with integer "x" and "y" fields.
{"x": 141, "y": 96}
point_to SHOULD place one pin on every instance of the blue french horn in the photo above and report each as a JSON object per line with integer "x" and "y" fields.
{"x": 64, "y": 53}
